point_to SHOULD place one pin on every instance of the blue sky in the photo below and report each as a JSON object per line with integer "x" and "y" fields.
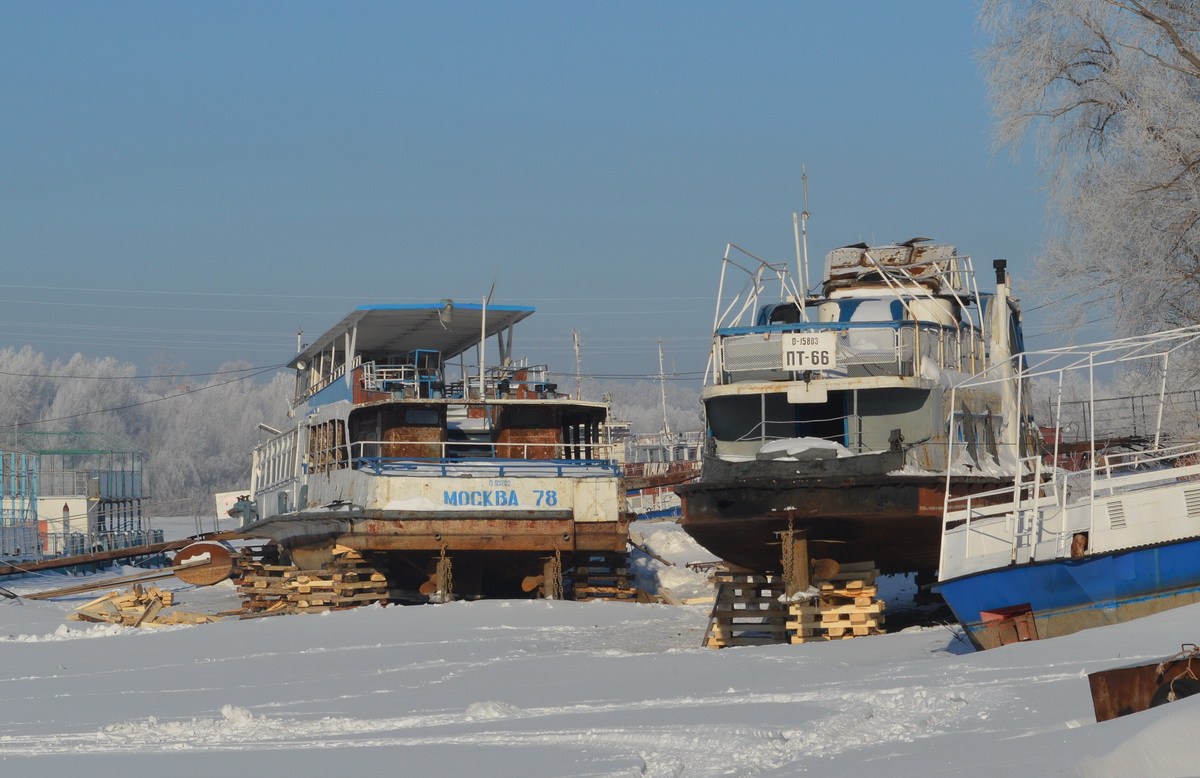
{"x": 207, "y": 178}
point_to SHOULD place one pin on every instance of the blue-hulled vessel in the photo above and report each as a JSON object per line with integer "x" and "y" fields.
{"x": 1103, "y": 525}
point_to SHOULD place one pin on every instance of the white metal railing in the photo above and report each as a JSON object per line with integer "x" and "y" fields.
{"x": 390, "y": 378}
{"x": 496, "y": 382}
{"x": 458, "y": 450}
{"x": 769, "y": 430}
{"x": 274, "y": 462}
{"x": 38, "y": 542}
{"x": 319, "y": 381}
{"x": 62, "y": 482}
{"x": 1035, "y": 507}
{"x": 893, "y": 349}
{"x": 1017, "y": 504}
{"x": 410, "y": 457}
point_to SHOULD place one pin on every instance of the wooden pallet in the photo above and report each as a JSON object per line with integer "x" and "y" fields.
{"x": 603, "y": 575}
{"x": 846, "y": 606}
{"x": 288, "y": 589}
{"x": 747, "y": 610}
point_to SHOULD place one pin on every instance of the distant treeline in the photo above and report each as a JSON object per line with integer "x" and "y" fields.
{"x": 199, "y": 430}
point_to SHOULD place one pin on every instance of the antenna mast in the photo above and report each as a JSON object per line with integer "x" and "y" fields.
{"x": 662, "y": 383}
{"x": 800, "y": 228}
{"x": 578, "y": 365}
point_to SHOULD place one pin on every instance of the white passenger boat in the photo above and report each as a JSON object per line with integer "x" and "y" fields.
{"x": 413, "y": 456}
{"x": 826, "y": 413}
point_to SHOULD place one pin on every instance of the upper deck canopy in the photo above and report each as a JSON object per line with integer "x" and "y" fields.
{"x": 448, "y": 327}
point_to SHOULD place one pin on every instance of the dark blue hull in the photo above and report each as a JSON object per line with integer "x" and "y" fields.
{"x": 1048, "y": 599}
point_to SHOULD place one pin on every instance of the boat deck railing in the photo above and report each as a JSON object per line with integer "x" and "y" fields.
{"x": 37, "y": 541}
{"x": 408, "y": 381}
{"x": 1036, "y": 509}
{"x": 864, "y": 349}
{"x": 488, "y": 468}
{"x": 495, "y": 460}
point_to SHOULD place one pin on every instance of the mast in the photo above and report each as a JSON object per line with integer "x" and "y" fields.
{"x": 578, "y": 365}
{"x": 800, "y": 228}
{"x": 482, "y": 349}
{"x": 662, "y": 383}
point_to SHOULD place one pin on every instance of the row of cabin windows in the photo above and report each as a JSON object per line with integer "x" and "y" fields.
{"x": 861, "y": 423}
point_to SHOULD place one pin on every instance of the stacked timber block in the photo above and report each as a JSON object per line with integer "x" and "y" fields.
{"x": 603, "y": 575}
{"x": 747, "y": 610}
{"x": 846, "y": 606}
{"x": 137, "y": 607}
{"x": 288, "y": 589}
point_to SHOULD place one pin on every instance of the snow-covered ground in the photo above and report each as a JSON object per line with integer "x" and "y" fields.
{"x": 536, "y": 688}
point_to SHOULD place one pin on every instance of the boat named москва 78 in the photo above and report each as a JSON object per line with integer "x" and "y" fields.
{"x": 406, "y": 454}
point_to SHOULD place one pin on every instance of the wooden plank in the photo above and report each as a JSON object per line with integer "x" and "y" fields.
{"x": 150, "y": 612}
{"x": 165, "y": 572}
{"x": 89, "y": 604}
{"x": 876, "y": 606}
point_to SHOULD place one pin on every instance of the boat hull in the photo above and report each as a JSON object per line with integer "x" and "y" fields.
{"x": 493, "y": 555}
{"x": 427, "y": 531}
{"x": 1049, "y": 599}
{"x": 893, "y": 521}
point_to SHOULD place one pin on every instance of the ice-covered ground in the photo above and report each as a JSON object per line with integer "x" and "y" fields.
{"x": 535, "y": 688}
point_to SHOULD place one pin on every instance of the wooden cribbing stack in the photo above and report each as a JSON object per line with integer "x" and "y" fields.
{"x": 277, "y": 588}
{"x": 846, "y": 605}
{"x": 747, "y": 610}
{"x": 813, "y": 600}
{"x": 603, "y": 575}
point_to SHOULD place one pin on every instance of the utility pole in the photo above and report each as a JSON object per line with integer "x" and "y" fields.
{"x": 662, "y": 383}
{"x": 578, "y": 365}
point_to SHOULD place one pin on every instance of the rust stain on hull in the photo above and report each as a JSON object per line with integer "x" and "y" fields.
{"x": 896, "y": 523}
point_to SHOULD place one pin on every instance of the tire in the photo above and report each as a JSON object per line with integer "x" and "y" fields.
{"x": 1182, "y": 686}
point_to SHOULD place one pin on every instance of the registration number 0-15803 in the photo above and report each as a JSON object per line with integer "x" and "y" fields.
{"x": 809, "y": 351}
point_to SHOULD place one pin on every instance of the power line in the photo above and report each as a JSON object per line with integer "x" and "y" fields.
{"x": 138, "y": 404}
{"x": 158, "y": 292}
{"x": 260, "y": 368}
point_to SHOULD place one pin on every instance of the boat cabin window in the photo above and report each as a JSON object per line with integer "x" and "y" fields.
{"x": 422, "y": 417}
{"x": 771, "y": 417}
{"x": 525, "y": 418}
{"x": 783, "y": 313}
{"x": 327, "y": 446}
{"x": 860, "y": 309}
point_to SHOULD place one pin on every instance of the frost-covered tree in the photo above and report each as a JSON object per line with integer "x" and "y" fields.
{"x": 25, "y": 392}
{"x": 1110, "y": 89}
{"x": 640, "y": 404}
{"x": 212, "y": 428}
{"x": 198, "y": 432}
{"x": 93, "y": 394}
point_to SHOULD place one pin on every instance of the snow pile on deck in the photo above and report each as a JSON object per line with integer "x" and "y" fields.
{"x": 794, "y": 449}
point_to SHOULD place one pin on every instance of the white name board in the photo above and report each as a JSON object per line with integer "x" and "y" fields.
{"x": 809, "y": 350}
